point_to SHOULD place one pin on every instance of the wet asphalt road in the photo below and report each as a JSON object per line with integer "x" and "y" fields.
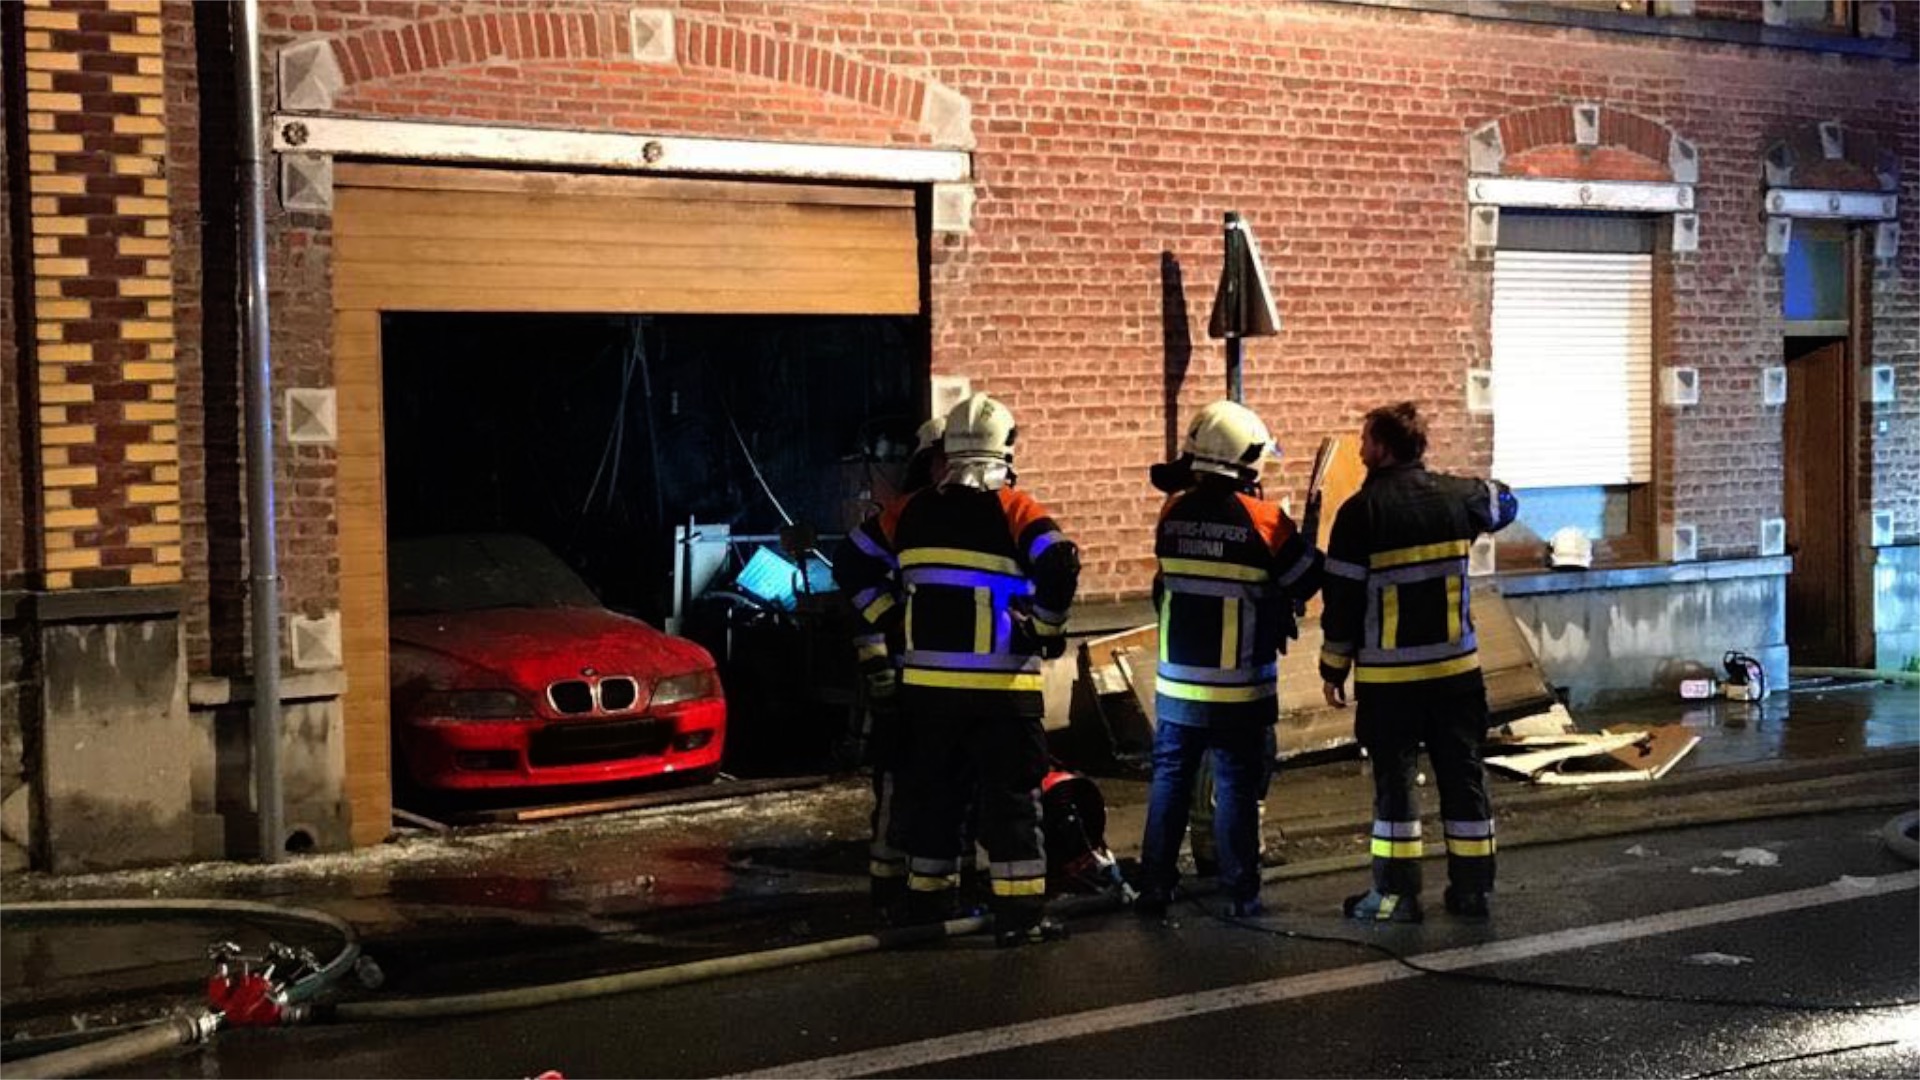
{"x": 1107, "y": 1002}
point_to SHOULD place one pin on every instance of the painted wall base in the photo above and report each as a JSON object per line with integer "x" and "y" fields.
{"x": 1896, "y": 606}
{"x": 313, "y": 766}
{"x": 1607, "y": 636}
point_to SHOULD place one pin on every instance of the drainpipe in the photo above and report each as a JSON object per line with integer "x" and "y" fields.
{"x": 263, "y": 552}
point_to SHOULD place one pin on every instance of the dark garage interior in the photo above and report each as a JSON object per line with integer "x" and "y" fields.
{"x": 598, "y": 435}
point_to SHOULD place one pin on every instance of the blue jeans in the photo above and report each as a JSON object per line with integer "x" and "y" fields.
{"x": 1240, "y": 765}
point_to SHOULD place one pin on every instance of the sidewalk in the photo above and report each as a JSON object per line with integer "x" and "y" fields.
{"x": 497, "y": 905}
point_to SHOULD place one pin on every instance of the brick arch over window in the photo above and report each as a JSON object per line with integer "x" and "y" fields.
{"x": 1830, "y": 157}
{"x": 604, "y": 41}
{"x": 1581, "y": 141}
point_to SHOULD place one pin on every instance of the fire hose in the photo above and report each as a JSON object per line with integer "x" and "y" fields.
{"x": 276, "y": 988}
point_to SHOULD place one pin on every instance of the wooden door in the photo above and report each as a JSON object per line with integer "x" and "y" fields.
{"x": 1820, "y": 523}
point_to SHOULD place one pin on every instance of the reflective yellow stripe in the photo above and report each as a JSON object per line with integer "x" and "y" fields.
{"x": 973, "y": 560}
{"x": 1453, "y": 609}
{"x": 1230, "y": 632}
{"x": 1043, "y": 628}
{"x": 879, "y": 869}
{"x": 873, "y": 611}
{"x": 974, "y": 680}
{"x": 1470, "y": 848}
{"x": 1166, "y": 608}
{"x": 1222, "y": 570}
{"x": 1424, "y": 553}
{"x": 1201, "y": 692}
{"x": 1439, "y": 669}
{"x": 1335, "y": 660}
{"x": 982, "y": 621}
{"x": 1020, "y": 887}
{"x": 1389, "y": 616}
{"x": 873, "y": 650}
{"x": 931, "y": 883}
{"x": 1396, "y": 849}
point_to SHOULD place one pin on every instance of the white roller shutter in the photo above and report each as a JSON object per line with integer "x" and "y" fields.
{"x": 1572, "y": 368}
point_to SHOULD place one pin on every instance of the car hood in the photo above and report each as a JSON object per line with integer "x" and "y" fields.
{"x": 537, "y": 646}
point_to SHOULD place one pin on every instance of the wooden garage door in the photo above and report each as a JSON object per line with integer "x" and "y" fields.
{"x": 417, "y": 238}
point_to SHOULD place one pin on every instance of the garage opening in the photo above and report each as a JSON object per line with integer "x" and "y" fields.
{"x": 602, "y": 438}
{"x": 610, "y": 397}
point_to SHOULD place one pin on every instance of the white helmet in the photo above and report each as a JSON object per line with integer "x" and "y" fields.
{"x": 1571, "y": 549}
{"x": 1229, "y": 440}
{"x": 929, "y": 434}
{"x": 979, "y": 443}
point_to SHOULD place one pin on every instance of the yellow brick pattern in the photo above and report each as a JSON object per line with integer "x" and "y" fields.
{"x": 103, "y": 338}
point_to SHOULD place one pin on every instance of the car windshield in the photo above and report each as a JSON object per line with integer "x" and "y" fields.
{"x": 442, "y": 574}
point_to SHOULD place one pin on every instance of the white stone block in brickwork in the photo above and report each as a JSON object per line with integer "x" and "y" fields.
{"x": 1483, "y": 230}
{"x": 1882, "y": 528}
{"x": 312, "y": 417}
{"x": 948, "y": 391}
{"x": 306, "y": 183}
{"x": 1774, "y": 12}
{"x": 1773, "y": 386}
{"x": 1479, "y": 391}
{"x": 310, "y": 77}
{"x": 1886, "y": 241}
{"x": 1486, "y": 150}
{"x": 1682, "y": 543}
{"x": 1682, "y": 386}
{"x": 1876, "y": 19}
{"x": 947, "y": 116}
{"x": 1833, "y": 141}
{"x": 1686, "y": 233}
{"x": 316, "y": 642}
{"x": 651, "y": 30}
{"x": 1773, "y": 536}
{"x": 953, "y": 208}
{"x": 1880, "y": 388}
{"x": 1779, "y": 235}
{"x": 1586, "y": 124}
{"x": 1684, "y": 159}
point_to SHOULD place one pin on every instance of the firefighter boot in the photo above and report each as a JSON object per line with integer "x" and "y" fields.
{"x": 1376, "y": 906}
{"x": 938, "y": 906}
{"x": 889, "y": 898}
{"x": 1466, "y": 903}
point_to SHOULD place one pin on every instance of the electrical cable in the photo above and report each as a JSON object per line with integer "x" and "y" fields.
{"x": 755, "y": 466}
{"x": 1517, "y": 983}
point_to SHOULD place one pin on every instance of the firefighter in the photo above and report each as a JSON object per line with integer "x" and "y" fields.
{"x": 869, "y": 575}
{"x": 1398, "y": 618}
{"x": 987, "y": 579}
{"x": 1231, "y": 566}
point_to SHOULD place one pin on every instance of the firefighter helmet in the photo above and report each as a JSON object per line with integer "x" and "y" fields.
{"x": 1571, "y": 549}
{"x": 979, "y": 443}
{"x": 929, "y": 434}
{"x": 1229, "y": 440}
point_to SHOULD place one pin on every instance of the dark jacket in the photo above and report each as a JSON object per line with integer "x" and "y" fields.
{"x": 1398, "y": 606}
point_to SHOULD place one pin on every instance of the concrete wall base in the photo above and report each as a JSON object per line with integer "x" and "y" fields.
{"x": 1896, "y": 606}
{"x": 313, "y": 765}
{"x": 1639, "y": 635}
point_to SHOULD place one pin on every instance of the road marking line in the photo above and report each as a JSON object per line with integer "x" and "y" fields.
{"x": 913, "y": 1055}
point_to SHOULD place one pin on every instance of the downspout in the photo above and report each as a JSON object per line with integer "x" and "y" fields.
{"x": 263, "y": 550}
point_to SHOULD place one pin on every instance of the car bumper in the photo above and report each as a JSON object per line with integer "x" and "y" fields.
{"x": 473, "y": 755}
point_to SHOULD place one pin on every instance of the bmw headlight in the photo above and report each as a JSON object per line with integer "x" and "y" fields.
{"x": 692, "y": 686}
{"x": 474, "y": 705}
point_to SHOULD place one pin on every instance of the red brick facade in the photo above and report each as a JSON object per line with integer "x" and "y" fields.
{"x": 1104, "y": 137}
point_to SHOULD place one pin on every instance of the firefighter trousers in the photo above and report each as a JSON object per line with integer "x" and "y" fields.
{"x": 994, "y": 763}
{"x": 1451, "y": 726}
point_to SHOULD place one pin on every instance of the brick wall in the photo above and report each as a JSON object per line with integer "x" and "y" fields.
{"x": 1108, "y": 140}
{"x": 15, "y": 252}
{"x": 103, "y": 312}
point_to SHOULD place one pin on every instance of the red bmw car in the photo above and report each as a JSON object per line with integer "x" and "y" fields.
{"x": 508, "y": 672}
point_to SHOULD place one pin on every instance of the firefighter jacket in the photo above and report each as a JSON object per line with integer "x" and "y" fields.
{"x": 1230, "y": 569}
{"x": 1398, "y": 609}
{"x": 979, "y": 583}
{"x": 869, "y": 575}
